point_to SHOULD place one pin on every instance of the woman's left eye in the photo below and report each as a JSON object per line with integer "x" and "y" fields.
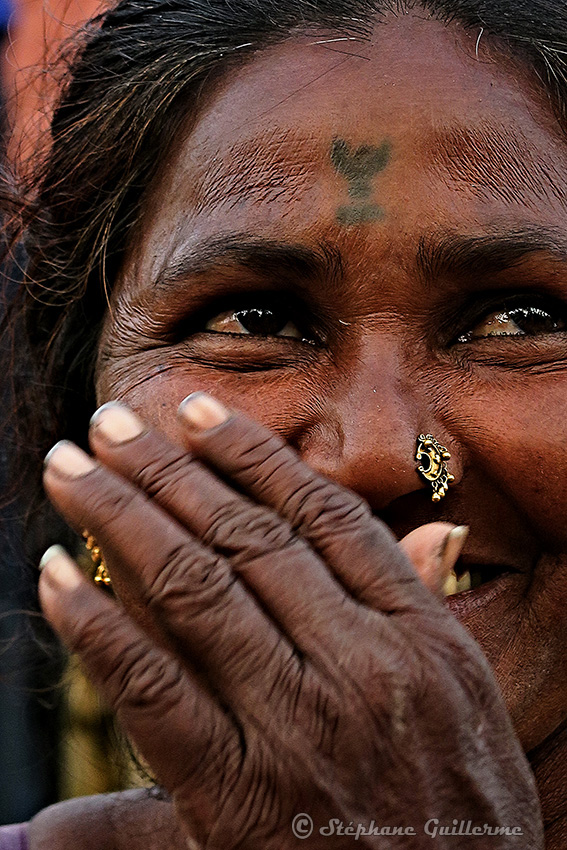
{"x": 518, "y": 320}
{"x": 255, "y": 321}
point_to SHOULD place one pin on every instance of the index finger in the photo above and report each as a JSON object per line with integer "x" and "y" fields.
{"x": 339, "y": 525}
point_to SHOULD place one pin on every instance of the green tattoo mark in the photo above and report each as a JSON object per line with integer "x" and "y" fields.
{"x": 359, "y": 167}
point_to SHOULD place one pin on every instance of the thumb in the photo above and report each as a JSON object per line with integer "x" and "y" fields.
{"x": 434, "y": 550}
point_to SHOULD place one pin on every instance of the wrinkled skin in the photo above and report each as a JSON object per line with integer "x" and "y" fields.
{"x": 294, "y": 610}
{"x": 391, "y": 351}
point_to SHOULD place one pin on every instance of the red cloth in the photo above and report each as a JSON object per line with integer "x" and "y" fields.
{"x": 36, "y": 31}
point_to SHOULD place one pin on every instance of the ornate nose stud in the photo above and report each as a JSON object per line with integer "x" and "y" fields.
{"x": 432, "y": 458}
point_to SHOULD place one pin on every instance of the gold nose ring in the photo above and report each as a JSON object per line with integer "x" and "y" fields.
{"x": 432, "y": 460}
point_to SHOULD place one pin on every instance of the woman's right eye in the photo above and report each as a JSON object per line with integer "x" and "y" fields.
{"x": 255, "y": 321}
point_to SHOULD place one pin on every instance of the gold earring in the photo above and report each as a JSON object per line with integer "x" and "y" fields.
{"x": 432, "y": 458}
{"x": 101, "y": 574}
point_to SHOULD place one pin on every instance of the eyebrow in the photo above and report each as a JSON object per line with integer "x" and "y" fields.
{"x": 493, "y": 160}
{"x": 443, "y": 254}
{"x": 438, "y": 254}
{"x": 264, "y": 258}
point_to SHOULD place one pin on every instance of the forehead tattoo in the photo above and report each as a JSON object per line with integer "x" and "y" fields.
{"x": 359, "y": 167}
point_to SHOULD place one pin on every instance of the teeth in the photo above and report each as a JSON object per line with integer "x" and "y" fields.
{"x": 450, "y": 586}
{"x": 464, "y": 583}
{"x": 457, "y": 585}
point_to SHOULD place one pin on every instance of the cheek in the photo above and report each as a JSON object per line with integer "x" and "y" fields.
{"x": 521, "y": 446}
{"x": 154, "y": 386}
{"x": 515, "y": 434}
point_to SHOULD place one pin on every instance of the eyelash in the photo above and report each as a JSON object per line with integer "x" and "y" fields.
{"x": 286, "y": 304}
{"x": 533, "y": 305}
{"x": 458, "y": 328}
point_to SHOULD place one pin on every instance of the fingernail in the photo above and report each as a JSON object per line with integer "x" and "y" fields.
{"x": 117, "y": 423}
{"x": 453, "y": 546}
{"x": 69, "y": 460}
{"x": 59, "y": 569}
{"x": 202, "y": 412}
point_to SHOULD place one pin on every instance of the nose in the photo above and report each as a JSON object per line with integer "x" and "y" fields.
{"x": 365, "y": 431}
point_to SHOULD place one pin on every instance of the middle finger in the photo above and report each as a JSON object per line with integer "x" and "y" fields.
{"x": 293, "y": 583}
{"x": 199, "y": 605}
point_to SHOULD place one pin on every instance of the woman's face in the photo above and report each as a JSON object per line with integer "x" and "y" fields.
{"x": 359, "y": 242}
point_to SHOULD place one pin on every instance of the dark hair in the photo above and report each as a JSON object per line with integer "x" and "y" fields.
{"x": 136, "y": 77}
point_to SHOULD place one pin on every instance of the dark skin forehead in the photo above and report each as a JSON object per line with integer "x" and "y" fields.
{"x": 259, "y": 144}
{"x": 485, "y": 161}
{"x": 494, "y": 160}
{"x": 489, "y": 159}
